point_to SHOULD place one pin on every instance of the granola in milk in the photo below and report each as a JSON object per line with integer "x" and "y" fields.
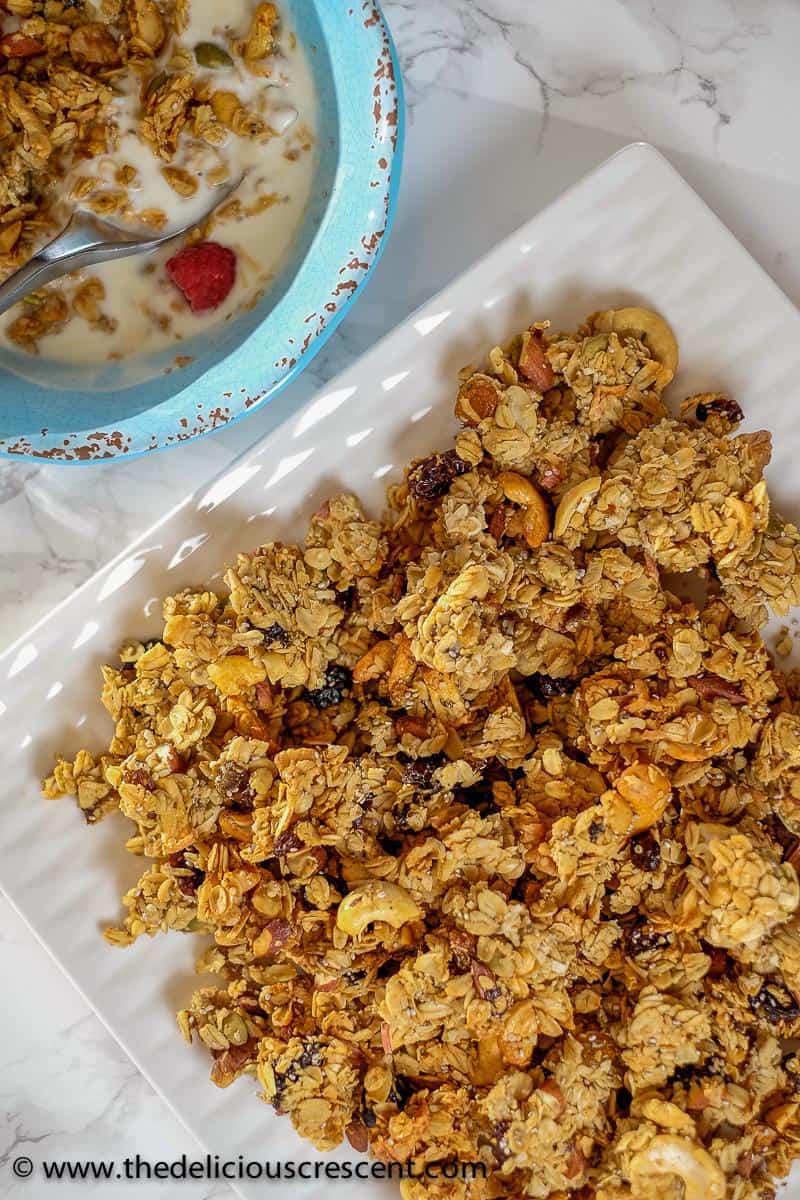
{"x": 496, "y": 835}
{"x": 136, "y": 110}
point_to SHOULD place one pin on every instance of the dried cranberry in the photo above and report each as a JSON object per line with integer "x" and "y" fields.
{"x": 645, "y": 852}
{"x": 432, "y": 477}
{"x": 338, "y": 681}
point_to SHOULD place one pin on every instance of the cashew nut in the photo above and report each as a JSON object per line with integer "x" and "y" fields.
{"x": 517, "y": 488}
{"x": 645, "y": 324}
{"x": 646, "y": 790}
{"x": 376, "y": 900}
{"x": 668, "y": 1154}
{"x": 536, "y": 521}
{"x": 577, "y": 498}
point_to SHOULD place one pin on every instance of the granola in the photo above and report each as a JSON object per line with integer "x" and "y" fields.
{"x": 135, "y": 110}
{"x": 494, "y": 830}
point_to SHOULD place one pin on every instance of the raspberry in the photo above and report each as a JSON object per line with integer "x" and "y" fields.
{"x": 204, "y": 272}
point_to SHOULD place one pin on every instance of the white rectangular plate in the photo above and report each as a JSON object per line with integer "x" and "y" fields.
{"x": 631, "y": 232}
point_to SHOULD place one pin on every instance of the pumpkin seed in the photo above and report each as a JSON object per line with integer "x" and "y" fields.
{"x": 209, "y": 54}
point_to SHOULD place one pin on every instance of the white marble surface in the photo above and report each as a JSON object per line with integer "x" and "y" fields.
{"x": 509, "y": 102}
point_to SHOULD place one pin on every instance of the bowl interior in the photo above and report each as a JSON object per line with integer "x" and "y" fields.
{"x": 39, "y": 393}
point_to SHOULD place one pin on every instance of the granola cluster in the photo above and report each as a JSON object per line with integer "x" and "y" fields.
{"x": 496, "y": 830}
{"x": 74, "y": 74}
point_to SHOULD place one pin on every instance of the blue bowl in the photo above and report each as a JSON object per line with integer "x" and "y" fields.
{"x": 67, "y": 414}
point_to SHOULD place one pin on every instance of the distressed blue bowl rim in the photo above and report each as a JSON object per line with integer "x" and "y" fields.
{"x": 327, "y": 282}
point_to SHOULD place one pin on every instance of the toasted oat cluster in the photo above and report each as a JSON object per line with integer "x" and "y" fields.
{"x": 73, "y": 75}
{"x": 496, "y": 833}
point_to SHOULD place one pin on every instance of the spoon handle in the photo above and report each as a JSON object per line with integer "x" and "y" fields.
{"x": 34, "y": 274}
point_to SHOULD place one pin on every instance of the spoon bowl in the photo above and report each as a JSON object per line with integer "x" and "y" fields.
{"x": 87, "y": 240}
{"x": 77, "y": 413}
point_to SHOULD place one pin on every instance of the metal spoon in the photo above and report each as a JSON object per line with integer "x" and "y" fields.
{"x": 87, "y": 240}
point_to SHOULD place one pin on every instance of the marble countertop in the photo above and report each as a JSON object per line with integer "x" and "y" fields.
{"x": 509, "y": 101}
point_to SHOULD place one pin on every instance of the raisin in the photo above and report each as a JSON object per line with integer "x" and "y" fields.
{"x": 545, "y": 687}
{"x": 775, "y": 1003}
{"x": 479, "y": 797}
{"x": 432, "y": 477}
{"x": 485, "y": 983}
{"x": 720, "y": 961}
{"x": 286, "y": 843}
{"x": 419, "y": 771}
{"x": 574, "y": 617}
{"x": 645, "y": 852}
{"x": 347, "y": 599}
{"x": 276, "y": 635}
{"x": 233, "y": 784}
{"x": 595, "y": 829}
{"x": 501, "y": 1147}
{"x": 369, "y": 1118}
{"x": 337, "y": 683}
{"x": 311, "y": 1055}
{"x": 388, "y": 968}
{"x": 462, "y": 949}
{"x": 725, "y": 406}
{"x": 401, "y": 1092}
{"x": 188, "y": 884}
{"x": 641, "y": 940}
